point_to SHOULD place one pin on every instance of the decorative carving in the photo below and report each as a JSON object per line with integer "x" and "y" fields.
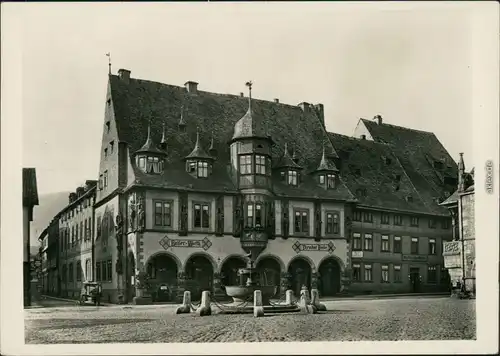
{"x": 141, "y": 220}
{"x": 183, "y": 214}
{"x": 286, "y": 223}
{"x": 132, "y": 206}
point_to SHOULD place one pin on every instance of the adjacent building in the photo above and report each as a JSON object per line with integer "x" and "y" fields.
{"x": 459, "y": 254}
{"x": 191, "y": 183}
{"x": 30, "y": 200}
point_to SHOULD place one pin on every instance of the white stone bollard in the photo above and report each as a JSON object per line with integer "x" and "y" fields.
{"x": 205, "y": 308}
{"x": 315, "y": 300}
{"x": 289, "y": 297}
{"x": 186, "y": 304}
{"x": 258, "y": 309}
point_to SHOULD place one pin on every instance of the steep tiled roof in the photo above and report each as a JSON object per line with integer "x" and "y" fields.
{"x": 373, "y": 173}
{"x": 139, "y": 102}
{"x": 417, "y": 152}
{"x": 30, "y": 190}
{"x": 198, "y": 151}
{"x": 286, "y": 161}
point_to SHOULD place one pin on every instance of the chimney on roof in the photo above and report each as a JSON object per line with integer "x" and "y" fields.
{"x": 72, "y": 197}
{"x": 304, "y": 106}
{"x": 276, "y": 100}
{"x": 320, "y": 111}
{"x": 124, "y": 75}
{"x": 80, "y": 191}
{"x": 379, "y": 119}
{"x": 191, "y": 87}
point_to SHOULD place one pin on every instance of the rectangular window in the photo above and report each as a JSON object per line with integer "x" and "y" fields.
{"x": 302, "y": 221}
{"x": 431, "y": 274}
{"x": 250, "y": 214}
{"x": 367, "y": 217}
{"x": 432, "y": 247}
{"x": 142, "y": 163}
{"x": 445, "y": 224}
{"x": 368, "y": 246}
{"x": 163, "y": 213}
{"x": 414, "y": 221}
{"x": 384, "y": 246}
{"x": 398, "y": 220}
{"x": 260, "y": 164}
{"x": 111, "y": 146}
{"x": 356, "y": 272}
{"x": 414, "y": 245}
{"x": 397, "y": 244}
{"x": 258, "y": 215}
{"x": 356, "y": 216}
{"x": 397, "y": 273}
{"x": 246, "y": 164}
{"x": 385, "y": 218}
{"x": 385, "y": 274}
{"x": 104, "y": 274}
{"x": 202, "y": 169}
{"x": 110, "y": 271}
{"x": 201, "y": 215}
{"x": 332, "y": 223}
{"x": 356, "y": 241}
{"x": 98, "y": 271}
{"x": 70, "y": 272}
{"x": 292, "y": 178}
{"x": 368, "y": 272}
{"x": 105, "y": 179}
{"x": 322, "y": 179}
{"x": 432, "y": 224}
{"x": 78, "y": 271}
{"x": 330, "y": 181}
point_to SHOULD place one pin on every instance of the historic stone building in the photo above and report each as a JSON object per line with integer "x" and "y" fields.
{"x": 191, "y": 183}
{"x": 30, "y": 200}
{"x": 459, "y": 254}
{"x": 73, "y": 232}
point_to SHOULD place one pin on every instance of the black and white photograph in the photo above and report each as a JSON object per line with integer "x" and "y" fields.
{"x": 250, "y": 178}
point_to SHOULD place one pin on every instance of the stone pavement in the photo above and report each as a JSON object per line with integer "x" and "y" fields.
{"x": 346, "y": 320}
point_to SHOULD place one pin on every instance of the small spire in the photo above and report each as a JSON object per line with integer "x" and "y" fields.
{"x": 198, "y": 151}
{"x": 182, "y": 122}
{"x": 212, "y": 148}
{"x": 163, "y": 138}
{"x": 324, "y": 164}
{"x": 294, "y": 155}
{"x": 109, "y": 61}
{"x": 286, "y": 148}
{"x": 249, "y": 85}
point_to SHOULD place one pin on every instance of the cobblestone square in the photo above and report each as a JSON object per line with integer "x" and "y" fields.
{"x": 346, "y": 320}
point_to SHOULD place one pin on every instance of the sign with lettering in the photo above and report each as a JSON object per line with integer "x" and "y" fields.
{"x": 298, "y": 247}
{"x": 357, "y": 254}
{"x": 415, "y": 258}
{"x": 167, "y": 243}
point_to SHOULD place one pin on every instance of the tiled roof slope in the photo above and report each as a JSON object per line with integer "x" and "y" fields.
{"x": 139, "y": 102}
{"x": 371, "y": 171}
{"x": 417, "y": 151}
{"x": 30, "y": 190}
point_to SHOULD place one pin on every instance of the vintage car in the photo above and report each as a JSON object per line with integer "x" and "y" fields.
{"x": 89, "y": 293}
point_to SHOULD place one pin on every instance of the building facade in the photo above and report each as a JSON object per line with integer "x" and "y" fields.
{"x": 30, "y": 200}
{"x": 192, "y": 183}
{"x": 459, "y": 254}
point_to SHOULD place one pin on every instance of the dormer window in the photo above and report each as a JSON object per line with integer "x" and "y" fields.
{"x": 199, "y": 168}
{"x": 292, "y": 178}
{"x": 202, "y": 169}
{"x": 150, "y": 164}
{"x": 321, "y": 179}
{"x": 142, "y": 163}
{"x": 330, "y": 181}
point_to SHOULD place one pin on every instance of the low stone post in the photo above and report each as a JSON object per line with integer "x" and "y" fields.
{"x": 258, "y": 309}
{"x": 304, "y": 303}
{"x": 204, "y": 308}
{"x": 289, "y": 297}
{"x": 315, "y": 300}
{"x": 186, "y": 304}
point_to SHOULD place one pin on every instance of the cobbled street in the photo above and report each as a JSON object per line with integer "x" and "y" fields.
{"x": 346, "y": 320}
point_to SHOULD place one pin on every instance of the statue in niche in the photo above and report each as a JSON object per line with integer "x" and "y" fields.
{"x": 220, "y": 221}
{"x": 184, "y": 217}
{"x": 132, "y": 212}
{"x": 119, "y": 232}
{"x": 318, "y": 223}
{"x": 141, "y": 215}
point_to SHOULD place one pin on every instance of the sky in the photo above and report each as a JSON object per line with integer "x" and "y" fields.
{"x": 410, "y": 64}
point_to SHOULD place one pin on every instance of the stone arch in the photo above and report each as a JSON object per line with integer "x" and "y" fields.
{"x": 163, "y": 269}
{"x": 270, "y": 268}
{"x": 329, "y": 275}
{"x": 273, "y": 257}
{"x": 199, "y": 271}
{"x": 228, "y": 257}
{"x": 168, "y": 254}
{"x": 336, "y": 258}
{"x": 300, "y": 269}
{"x": 229, "y": 267}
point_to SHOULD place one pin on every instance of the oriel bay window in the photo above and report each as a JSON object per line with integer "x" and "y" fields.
{"x": 332, "y": 223}
{"x": 255, "y": 215}
{"x": 163, "y": 213}
{"x": 302, "y": 221}
{"x": 246, "y": 164}
{"x": 260, "y": 164}
{"x": 201, "y": 215}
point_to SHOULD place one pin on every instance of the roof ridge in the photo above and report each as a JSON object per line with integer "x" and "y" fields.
{"x": 398, "y": 126}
